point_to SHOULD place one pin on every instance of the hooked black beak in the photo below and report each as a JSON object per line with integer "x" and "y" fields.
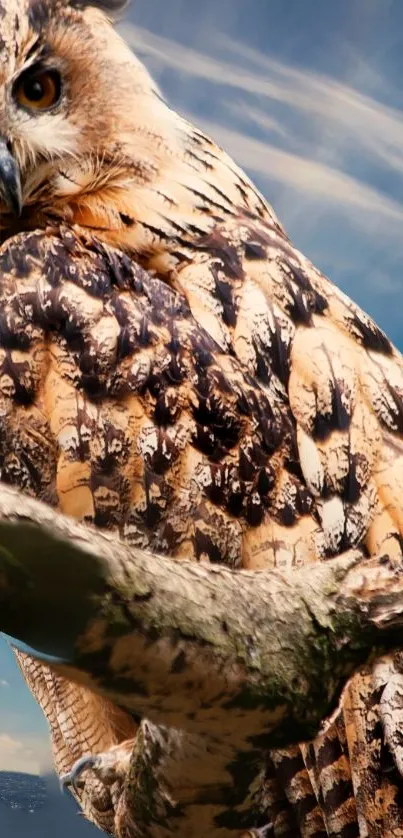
{"x": 10, "y": 179}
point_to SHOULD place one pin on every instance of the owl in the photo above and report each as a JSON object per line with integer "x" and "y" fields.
{"x": 174, "y": 370}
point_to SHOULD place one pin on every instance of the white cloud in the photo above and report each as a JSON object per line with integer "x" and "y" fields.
{"x": 335, "y": 119}
{"x": 328, "y": 154}
{"x": 4, "y": 683}
{"x": 311, "y": 177}
{"x": 30, "y": 755}
{"x": 355, "y": 116}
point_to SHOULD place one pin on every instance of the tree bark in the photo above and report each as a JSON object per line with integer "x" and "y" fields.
{"x": 243, "y": 661}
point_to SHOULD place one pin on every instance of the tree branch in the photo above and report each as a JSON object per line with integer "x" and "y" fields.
{"x": 247, "y": 661}
{"x": 169, "y": 639}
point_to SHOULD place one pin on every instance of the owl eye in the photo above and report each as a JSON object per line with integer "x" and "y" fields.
{"x": 38, "y": 90}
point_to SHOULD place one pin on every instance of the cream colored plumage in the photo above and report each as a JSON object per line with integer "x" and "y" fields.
{"x": 172, "y": 368}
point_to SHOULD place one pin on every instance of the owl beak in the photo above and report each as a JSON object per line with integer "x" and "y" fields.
{"x": 10, "y": 179}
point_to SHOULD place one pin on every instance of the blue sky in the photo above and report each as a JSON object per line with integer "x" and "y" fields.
{"x": 306, "y": 95}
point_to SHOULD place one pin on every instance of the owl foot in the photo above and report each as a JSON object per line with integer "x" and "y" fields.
{"x": 110, "y": 766}
{"x": 73, "y": 778}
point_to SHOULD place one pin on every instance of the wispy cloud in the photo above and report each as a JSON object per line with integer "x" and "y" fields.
{"x": 308, "y": 176}
{"x": 357, "y": 115}
{"x": 358, "y": 119}
{"x": 313, "y": 158}
{"x": 327, "y": 154}
{"x": 4, "y": 683}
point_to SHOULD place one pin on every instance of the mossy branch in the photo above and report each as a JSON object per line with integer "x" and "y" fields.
{"x": 169, "y": 639}
{"x": 244, "y": 661}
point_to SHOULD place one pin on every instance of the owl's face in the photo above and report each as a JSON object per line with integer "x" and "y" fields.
{"x": 61, "y": 92}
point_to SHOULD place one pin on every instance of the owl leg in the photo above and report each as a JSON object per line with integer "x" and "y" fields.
{"x": 109, "y": 767}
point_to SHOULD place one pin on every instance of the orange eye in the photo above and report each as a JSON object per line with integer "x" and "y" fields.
{"x": 38, "y": 91}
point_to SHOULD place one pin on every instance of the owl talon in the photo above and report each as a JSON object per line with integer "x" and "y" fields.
{"x": 72, "y": 778}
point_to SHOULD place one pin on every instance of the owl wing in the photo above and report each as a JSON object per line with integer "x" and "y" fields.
{"x": 338, "y": 487}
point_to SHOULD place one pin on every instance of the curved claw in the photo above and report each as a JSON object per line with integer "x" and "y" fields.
{"x": 81, "y": 765}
